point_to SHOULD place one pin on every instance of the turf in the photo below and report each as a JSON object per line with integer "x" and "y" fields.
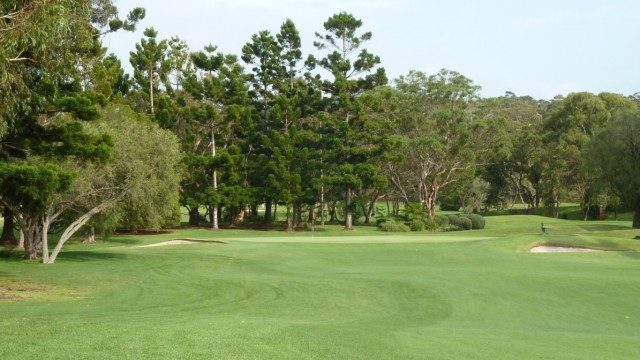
{"x": 332, "y": 294}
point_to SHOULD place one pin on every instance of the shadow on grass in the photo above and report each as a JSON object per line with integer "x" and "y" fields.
{"x": 10, "y": 254}
{"x": 602, "y": 227}
{"x": 125, "y": 240}
{"x": 82, "y": 256}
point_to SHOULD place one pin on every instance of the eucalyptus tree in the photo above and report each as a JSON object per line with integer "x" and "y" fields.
{"x": 44, "y": 50}
{"x": 568, "y": 129}
{"x": 615, "y": 153}
{"x": 44, "y": 44}
{"x": 351, "y": 74}
{"x": 138, "y": 180}
{"x": 509, "y": 177}
{"x": 150, "y": 65}
{"x": 444, "y": 141}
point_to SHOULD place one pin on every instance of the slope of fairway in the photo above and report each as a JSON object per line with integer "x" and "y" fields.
{"x": 269, "y": 295}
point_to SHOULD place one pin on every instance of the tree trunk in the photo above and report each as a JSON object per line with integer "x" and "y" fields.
{"x": 90, "y": 236}
{"x": 20, "y": 240}
{"x": 636, "y": 217}
{"x": 603, "y": 212}
{"x": 194, "y": 216}
{"x": 268, "y": 205}
{"x": 71, "y": 229}
{"x": 31, "y": 237}
{"x": 289, "y": 218}
{"x": 8, "y": 237}
{"x": 348, "y": 216}
{"x": 333, "y": 218}
{"x": 214, "y": 208}
{"x": 585, "y": 210}
{"x": 297, "y": 214}
{"x": 151, "y": 73}
{"x": 431, "y": 198}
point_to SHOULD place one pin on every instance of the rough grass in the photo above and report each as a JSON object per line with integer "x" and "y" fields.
{"x": 332, "y": 294}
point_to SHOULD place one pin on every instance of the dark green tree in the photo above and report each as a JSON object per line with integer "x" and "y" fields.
{"x": 352, "y": 73}
{"x": 150, "y": 65}
{"x": 43, "y": 66}
{"x": 615, "y": 152}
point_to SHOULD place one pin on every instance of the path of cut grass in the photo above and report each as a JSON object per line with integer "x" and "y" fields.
{"x": 359, "y": 295}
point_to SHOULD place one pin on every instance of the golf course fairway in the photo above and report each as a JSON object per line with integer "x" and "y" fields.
{"x": 330, "y": 294}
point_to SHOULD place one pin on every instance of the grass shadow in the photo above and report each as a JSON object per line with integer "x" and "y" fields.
{"x": 83, "y": 256}
{"x": 602, "y": 227}
{"x": 125, "y": 240}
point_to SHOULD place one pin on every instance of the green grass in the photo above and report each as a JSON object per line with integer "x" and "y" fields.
{"x": 332, "y": 294}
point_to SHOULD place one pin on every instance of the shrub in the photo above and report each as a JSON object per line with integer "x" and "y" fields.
{"x": 442, "y": 221}
{"x": 392, "y": 226}
{"x": 432, "y": 225}
{"x": 416, "y": 225}
{"x": 461, "y": 221}
{"x": 477, "y": 221}
{"x": 452, "y": 218}
{"x": 452, "y": 228}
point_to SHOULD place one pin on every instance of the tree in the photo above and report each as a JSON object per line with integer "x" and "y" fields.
{"x": 444, "y": 140}
{"x": 46, "y": 48}
{"x": 144, "y": 169}
{"x": 150, "y": 65}
{"x": 615, "y": 151}
{"x": 341, "y": 41}
{"x": 42, "y": 45}
{"x": 567, "y": 130}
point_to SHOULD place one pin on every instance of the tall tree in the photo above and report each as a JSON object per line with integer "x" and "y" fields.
{"x": 615, "y": 151}
{"x": 46, "y": 46}
{"x": 445, "y": 141}
{"x": 150, "y": 65}
{"x": 347, "y": 68}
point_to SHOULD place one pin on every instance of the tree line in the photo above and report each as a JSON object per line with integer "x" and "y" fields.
{"x": 82, "y": 142}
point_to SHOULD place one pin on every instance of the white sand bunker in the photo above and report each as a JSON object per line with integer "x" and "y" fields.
{"x": 181, "y": 242}
{"x": 560, "y": 249}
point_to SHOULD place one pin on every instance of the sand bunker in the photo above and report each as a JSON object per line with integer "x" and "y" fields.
{"x": 560, "y": 249}
{"x": 182, "y": 242}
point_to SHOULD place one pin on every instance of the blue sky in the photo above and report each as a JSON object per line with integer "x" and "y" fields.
{"x": 538, "y": 48}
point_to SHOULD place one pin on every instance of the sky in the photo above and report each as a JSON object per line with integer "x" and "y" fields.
{"x": 538, "y": 48}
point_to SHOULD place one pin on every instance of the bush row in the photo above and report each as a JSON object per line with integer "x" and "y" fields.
{"x": 439, "y": 223}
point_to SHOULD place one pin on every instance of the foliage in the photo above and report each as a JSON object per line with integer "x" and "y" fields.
{"x": 147, "y": 158}
{"x": 432, "y": 225}
{"x": 475, "y": 197}
{"x": 477, "y": 221}
{"x": 462, "y": 222}
{"x": 394, "y": 226}
{"x": 417, "y": 225}
{"x": 615, "y": 152}
{"x": 441, "y": 221}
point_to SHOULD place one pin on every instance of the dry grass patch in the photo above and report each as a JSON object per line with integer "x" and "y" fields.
{"x": 22, "y": 290}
